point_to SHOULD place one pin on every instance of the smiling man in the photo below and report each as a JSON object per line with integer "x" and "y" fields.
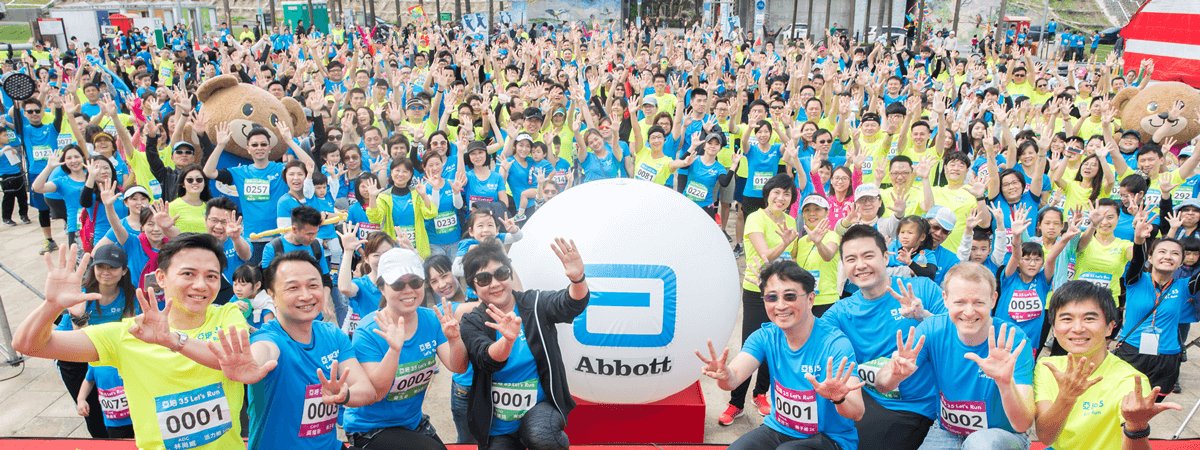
{"x": 985, "y": 380}
{"x": 161, "y": 353}
{"x": 896, "y": 418}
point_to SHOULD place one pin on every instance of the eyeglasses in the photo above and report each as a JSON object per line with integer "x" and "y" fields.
{"x": 1010, "y": 184}
{"x": 335, "y": 137}
{"x": 193, "y": 180}
{"x": 184, "y": 152}
{"x": 33, "y": 111}
{"x": 260, "y": 145}
{"x": 484, "y": 279}
{"x": 903, "y": 174}
{"x": 938, "y": 230}
{"x": 777, "y": 107}
{"x": 788, "y": 297}
{"x": 418, "y": 108}
{"x": 413, "y": 283}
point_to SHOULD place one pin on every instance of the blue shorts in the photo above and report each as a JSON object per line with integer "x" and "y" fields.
{"x": 38, "y": 201}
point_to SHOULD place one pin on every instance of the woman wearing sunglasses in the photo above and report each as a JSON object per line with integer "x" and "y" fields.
{"x": 189, "y": 203}
{"x": 397, "y": 347}
{"x": 519, "y": 396}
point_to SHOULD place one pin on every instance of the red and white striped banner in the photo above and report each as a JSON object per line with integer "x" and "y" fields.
{"x": 1165, "y": 31}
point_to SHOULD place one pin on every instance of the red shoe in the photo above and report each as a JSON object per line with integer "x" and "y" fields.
{"x": 764, "y": 405}
{"x": 732, "y": 412}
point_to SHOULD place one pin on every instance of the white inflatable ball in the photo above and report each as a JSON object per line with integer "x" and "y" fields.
{"x": 663, "y": 281}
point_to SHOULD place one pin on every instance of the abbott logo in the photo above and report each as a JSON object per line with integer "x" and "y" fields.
{"x": 632, "y": 305}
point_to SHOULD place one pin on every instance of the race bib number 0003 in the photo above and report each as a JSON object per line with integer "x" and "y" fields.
{"x": 316, "y": 418}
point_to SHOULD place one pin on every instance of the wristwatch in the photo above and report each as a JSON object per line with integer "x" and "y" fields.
{"x": 183, "y": 338}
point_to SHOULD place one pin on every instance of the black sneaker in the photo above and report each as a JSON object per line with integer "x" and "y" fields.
{"x": 25, "y": 220}
{"x": 738, "y": 251}
{"x": 10, "y": 223}
{"x": 1178, "y": 389}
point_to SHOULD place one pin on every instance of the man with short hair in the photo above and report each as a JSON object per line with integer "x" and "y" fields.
{"x": 170, "y": 373}
{"x": 306, "y": 221}
{"x": 985, "y": 380}
{"x": 222, "y": 221}
{"x": 1085, "y": 397}
{"x": 896, "y": 418}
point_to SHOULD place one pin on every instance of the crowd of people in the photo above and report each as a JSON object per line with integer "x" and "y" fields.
{"x": 942, "y": 250}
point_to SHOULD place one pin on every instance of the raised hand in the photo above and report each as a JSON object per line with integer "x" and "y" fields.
{"x": 64, "y": 279}
{"x": 568, "y": 253}
{"x": 1073, "y": 382}
{"x": 162, "y": 214}
{"x": 1002, "y": 357}
{"x": 904, "y": 359}
{"x": 349, "y": 238}
{"x": 108, "y": 192}
{"x": 1138, "y": 410}
{"x": 836, "y": 386}
{"x": 236, "y": 360}
{"x": 714, "y": 365}
{"x": 509, "y": 325}
{"x": 153, "y": 326}
{"x": 333, "y": 389}
{"x": 910, "y": 306}
{"x": 223, "y": 134}
{"x": 391, "y": 328}
{"x": 448, "y": 319}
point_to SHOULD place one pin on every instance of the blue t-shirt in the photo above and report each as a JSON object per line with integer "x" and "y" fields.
{"x": 443, "y": 229}
{"x": 1141, "y": 297}
{"x": 487, "y": 190}
{"x": 871, "y": 326}
{"x": 111, "y": 389}
{"x": 796, "y": 409}
{"x": 518, "y": 178}
{"x": 68, "y": 190}
{"x": 702, "y": 182}
{"x": 135, "y": 256}
{"x": 760, "y": 166}
{"x": 286, "y": 411}
{"x": 417, "y": 362}
{"x": 518, "y": 387}
{"x": 268, "y": 254}
{"x": 256, "y": 189}
{"x": 99, "y": 314}
{"x": 103, "y": 228}
{"x": 1024, "y": 303}
{"x": 365, "y": 302}
{"x": 403, "y": 215}
{"x": 41, "y": 142}
{"x": 232, "y": 260}
{"x": 324, "y": 205}
{"x": 358, "y": 216}
{"x": 970, "y": 399}
{"x": 112, "y": 235}
{"x": 597, "y": 168}
{"x": 283, "y": 209}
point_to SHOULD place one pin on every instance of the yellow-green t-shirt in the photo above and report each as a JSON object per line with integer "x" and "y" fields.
{"x": 140, "y": 168}
{"x": 876, "y": 160}
{"x": 163, "y": 386}
{"x": 825, "y": 272}
{"x": 760, "y": 222}
{"x": 960, "y": 201}
{"x": 1103, "y": 265}
{"x": 913, "y": 202}
{"x": 1095, "y": 420}
{"x": 191, "y": 218}
{"x": 654, "y": 170}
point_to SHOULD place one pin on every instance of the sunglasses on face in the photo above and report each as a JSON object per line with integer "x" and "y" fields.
{"x": 413, "y": 283}
{"x": 259, "y": 145}
{"x": 826, "y": 141}
{"x": 33, "y": 111}
{"x": 193, "y": 180}
{"x": 484, "y": 279}
{"x": 788, "y": 297}
{"x": 184, "y": 152}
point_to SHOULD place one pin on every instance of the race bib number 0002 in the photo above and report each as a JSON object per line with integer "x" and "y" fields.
{"x": 411, "y": 379}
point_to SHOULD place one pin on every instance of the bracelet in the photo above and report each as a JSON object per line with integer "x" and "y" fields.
{"x": 81, "y": 320}
{"x": 982, "y": 198}
{"x": 347, "y": 400}
{"x": 838, "y": 402}
{"x": 581, "y": 279}
{"x": 1135, "y": 434}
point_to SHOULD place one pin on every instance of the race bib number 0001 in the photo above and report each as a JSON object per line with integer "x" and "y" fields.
{"x": 193, "y": 418}
{"x": 316, "y": 418}
{"x": 510, "y": 401}
{"x": 411, "y": 379}
{"x": 796, "y": 409}
{"x": 963, "y": 417}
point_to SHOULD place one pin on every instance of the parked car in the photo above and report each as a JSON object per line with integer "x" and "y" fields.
{"x": 893, "y": 34}
{"x": 1109, "y": 36}
{"x": 797, "y": 31}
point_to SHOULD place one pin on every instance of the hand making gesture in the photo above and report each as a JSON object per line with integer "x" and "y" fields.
{"x": 836, "y": 386}
{"x": 1002, "y": 357}
{"x": 236, "y": 360}
{"x": 714, "y": 365}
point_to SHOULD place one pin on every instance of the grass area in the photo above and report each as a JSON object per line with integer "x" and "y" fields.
{"x": 15, "y": 33}
{"x": 1103, "y": 51}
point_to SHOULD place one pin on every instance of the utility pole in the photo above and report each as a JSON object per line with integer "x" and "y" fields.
{"x": 792, "y": 26}
{"x": 957, "y": 8}
{"x": 808, "y": 23}
{"x": 867, "y": 23}
{"x": 920, "y": 24}
{"x": 1000, "y": 24}
{"x": 487, "y": 38}
{"x": 890, "y": 6}
{"x": 228, "y": 18}
{"x": 458, "y": 9}
{"x": 311, "y": 23}
{"x": 828, "y": 14}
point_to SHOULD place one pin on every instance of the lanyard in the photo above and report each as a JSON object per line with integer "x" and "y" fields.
{"x": 1158, "y": 295}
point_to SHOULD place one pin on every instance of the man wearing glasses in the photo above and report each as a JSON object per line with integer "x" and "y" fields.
{"x": 182, "y": 155}
{"x": 41, "y": 143}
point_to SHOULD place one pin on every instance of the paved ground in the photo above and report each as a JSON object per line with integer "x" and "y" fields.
{"x": 35, "y": 403}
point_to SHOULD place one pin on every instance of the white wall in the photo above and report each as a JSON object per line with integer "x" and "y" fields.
{"x": 81, "y": 24}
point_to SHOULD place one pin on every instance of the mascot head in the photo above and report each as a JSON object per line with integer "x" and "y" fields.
{"x": 244, "y": 107}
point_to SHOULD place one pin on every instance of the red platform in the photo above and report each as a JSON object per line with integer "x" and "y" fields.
{"x": 102, "y": 444}
{"x": 676, "y": 419}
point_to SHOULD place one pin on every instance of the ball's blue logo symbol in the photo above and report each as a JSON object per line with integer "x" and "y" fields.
{"x": 640, "y": 299}
{"x": 761, "y": 5}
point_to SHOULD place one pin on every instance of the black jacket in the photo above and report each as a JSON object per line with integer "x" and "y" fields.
{"x": 539, "y": 311}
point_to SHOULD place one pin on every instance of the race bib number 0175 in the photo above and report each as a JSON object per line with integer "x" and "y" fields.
{"x": 193, "y": 418}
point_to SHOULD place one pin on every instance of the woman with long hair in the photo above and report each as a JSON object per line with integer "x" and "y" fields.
{"x": 189, "y": 203}
{"x": 68, "y": 183}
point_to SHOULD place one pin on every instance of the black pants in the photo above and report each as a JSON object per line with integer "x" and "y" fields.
{"x": 1161, "y": 371}
{"x": 73, "y": 374}
{"x": 764, "y": 438}
{"x": 400, "y": 438}
{"x": 121, "y": 432}
{"x": 884, "y": 429}
{"x": 540, "y": 429}
{"x": 18, "y": 199}
{"x": 680, "y": 182}
{"x": 754, "y": 314}
{"x": 753, "y": 204}
{"x": 819, "y": 310}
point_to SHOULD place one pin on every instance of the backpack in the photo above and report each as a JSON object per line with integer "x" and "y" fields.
{"x": 315, "y": 248}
